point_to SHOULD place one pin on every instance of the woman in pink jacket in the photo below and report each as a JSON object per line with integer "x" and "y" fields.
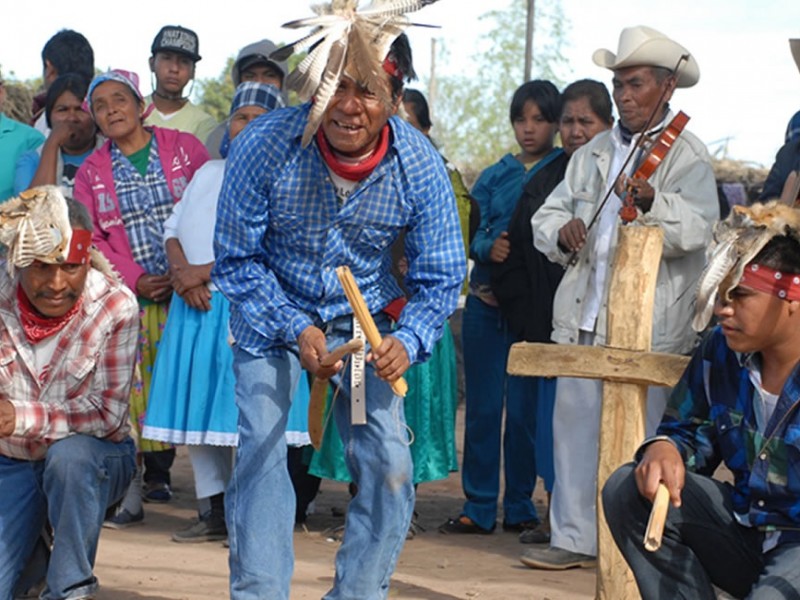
{"x": 129, "y": 186}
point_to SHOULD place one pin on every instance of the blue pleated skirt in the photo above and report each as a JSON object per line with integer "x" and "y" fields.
{"x": 192, "y": 398}
{"x": 191, "y": 391}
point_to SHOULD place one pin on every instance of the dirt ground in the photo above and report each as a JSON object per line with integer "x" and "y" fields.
{"x": 142, "y": 561}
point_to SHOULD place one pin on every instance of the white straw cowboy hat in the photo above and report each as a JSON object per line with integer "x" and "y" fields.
{"x": 795, "y": 46}
{"x": 643, "y": 46}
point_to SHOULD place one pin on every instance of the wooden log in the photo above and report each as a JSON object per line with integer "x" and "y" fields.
{"x": 596, "y": 362}
{"x": 630, "y": 324}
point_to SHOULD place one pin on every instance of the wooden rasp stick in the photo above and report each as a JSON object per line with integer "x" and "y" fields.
{"x": 319, "y": 391}
{"x": 361, "y": 312}
{"x": 658, "y": 516}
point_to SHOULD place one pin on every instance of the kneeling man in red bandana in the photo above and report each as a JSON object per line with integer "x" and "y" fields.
{"x": 68, "y": 330}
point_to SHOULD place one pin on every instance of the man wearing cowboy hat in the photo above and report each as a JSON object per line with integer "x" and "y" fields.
{"x": 788, "y": 158}
{"x": 681, "y": 198}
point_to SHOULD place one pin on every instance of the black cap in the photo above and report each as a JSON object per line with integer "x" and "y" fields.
{"x": 174, "y": 38}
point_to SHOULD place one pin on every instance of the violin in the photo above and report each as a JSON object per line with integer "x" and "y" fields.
{"x": 656, "y": 154}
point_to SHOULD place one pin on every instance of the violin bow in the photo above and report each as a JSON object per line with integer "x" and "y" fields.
{"x": 573, "y": 259}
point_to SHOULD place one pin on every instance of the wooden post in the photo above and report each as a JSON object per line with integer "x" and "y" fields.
{"x": 624, "y": 412}
{"x": 627, "y": 368}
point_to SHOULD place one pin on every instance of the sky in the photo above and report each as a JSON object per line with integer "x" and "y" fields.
{"x": 748, "y": 90}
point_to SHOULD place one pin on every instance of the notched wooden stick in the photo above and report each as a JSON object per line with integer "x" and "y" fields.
{"x": 319, "y": 390}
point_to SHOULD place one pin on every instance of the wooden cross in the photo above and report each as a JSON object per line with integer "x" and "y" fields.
{"x": 627, "y": 368}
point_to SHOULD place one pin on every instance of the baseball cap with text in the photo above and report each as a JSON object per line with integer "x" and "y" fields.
{"x": 174, "y": 38}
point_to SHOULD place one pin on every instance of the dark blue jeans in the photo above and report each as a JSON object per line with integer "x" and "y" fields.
{"x": 489, "y": 393}
{"x": 72, "y": 487}
{"x": 703, "y": 544}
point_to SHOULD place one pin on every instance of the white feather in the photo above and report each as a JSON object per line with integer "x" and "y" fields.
{"x": 716, "y": 270}
{"x": 392, "y": 8}
{"x": 308, "y": 75}
{"x": 326, "y": 89}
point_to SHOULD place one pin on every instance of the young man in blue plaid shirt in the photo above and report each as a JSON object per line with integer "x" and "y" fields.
{"x": 288, "y": 215}
{"x": 737, "y": 403}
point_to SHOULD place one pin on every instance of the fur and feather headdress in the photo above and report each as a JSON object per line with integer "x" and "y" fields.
{"x": 737, "y": 241}
{"x": 346, "y": 40}
{"x": 35, "y": 226}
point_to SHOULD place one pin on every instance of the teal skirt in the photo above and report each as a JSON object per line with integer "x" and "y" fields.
{"x": 430, "y": 411}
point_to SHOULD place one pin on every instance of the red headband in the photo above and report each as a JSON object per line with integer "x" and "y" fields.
{"x": 390, "y": 66}
{"x": 79, "y": 247}
{"x": 785, "y": 286}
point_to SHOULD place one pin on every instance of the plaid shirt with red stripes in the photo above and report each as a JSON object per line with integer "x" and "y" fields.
{"x": 86, "y": 387}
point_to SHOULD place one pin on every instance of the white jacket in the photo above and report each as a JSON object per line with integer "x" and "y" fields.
{"x": 685, "y": 207}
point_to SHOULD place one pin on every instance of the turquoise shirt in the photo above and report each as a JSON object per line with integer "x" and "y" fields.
{"x": 15, "y": 139}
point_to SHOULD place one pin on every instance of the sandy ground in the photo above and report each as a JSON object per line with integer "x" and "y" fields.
{"x": 143, "y": 562}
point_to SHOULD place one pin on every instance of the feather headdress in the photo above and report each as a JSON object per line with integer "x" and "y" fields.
{"x": 348, "y": 41}
{"x": 35, "y": 226}
{"x": 737, "y": 240}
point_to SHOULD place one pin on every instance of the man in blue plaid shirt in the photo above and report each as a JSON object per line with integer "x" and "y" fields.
{"x": 737, "y": 403}
{"x": 288, "y": 215}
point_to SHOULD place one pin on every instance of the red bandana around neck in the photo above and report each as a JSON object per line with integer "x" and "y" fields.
{"x": 358, "y": 171}
{"x": 785, "y": 286}
{"x": 35, "y": 325}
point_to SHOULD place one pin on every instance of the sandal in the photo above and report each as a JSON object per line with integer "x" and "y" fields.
{"x": 463, "y": 524}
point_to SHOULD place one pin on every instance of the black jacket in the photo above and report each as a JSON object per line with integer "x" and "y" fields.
{"x": 526, "y": 282}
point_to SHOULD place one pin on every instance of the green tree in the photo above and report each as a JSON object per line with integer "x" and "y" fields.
{"x": 216, "y": 94}
{"x": 471, "y": 109}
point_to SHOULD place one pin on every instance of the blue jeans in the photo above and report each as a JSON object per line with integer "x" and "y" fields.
{"x": 80, "y": 477}
{"x": 489, "y": 390}
{"x": 260, "y": 503}
{"x": 703, "y": 544}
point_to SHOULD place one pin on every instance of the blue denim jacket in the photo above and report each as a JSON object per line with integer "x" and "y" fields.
{"x": 712, "y": 418}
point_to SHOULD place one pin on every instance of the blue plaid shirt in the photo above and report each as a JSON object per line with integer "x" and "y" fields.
{"x": 281, "y": 233}
{"x": 144, "y": 203}
{"x": 712, "y": 417}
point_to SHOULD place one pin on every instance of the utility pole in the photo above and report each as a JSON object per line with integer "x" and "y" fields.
{"x": 529, "y": 40}
{"x": 432, "y": 80}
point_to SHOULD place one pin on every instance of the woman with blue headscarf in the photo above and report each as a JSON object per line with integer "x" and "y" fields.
{"x": 192, "y": 388}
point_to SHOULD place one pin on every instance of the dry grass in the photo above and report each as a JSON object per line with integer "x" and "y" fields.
{"x": 18, "y": 104}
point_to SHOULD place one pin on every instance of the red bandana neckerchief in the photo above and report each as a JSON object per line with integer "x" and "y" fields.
{"x": 358, "y": 171}
{"x": 38, "y": 327}
{"x": 785, "y": 286}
